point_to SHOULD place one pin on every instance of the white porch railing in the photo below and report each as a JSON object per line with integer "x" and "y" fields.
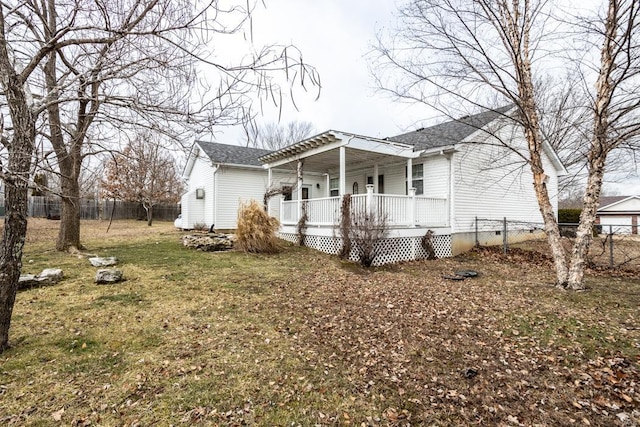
{"x": 398, "y": 210}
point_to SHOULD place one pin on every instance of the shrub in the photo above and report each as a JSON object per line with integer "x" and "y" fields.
{"x": 200, "y": 227}
{"x": 569, "y": 216}
{"x": 301, "y": 228}
{"x": 366, "y": 232}
{"x": 256, "y": 232}
{"x": 345, "y": 227}
{"x": 361, "y": 232}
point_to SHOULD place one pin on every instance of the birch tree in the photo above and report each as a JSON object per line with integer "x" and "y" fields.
{"x": 81, "y": 74}
{"x": 482, "y": 53}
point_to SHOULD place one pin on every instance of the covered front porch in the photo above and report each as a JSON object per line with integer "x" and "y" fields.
{"x": 381, "y": 178}
{"x": 334, "y": 174}
{"x": 396, "y": 210}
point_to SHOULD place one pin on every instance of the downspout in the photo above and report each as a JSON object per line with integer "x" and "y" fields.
{"x": 450, "y": 205}
{"x": 215, "y": 195}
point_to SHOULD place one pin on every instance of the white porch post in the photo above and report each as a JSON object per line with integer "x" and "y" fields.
{"x": 375, "y": 179}
{"x": 412, "y": 207}
{"x": 299, "y": 193}
{"x": 343, "y": 171}
{"x": 269, "y": 178}
{"x": 328, "y": 184}
{"x": 410, "y": 175}
{"x": 282, "y": 214}
{"x": 369, "y": 206}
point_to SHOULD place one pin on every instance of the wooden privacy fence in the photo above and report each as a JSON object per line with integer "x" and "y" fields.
{"x": 48, "y": 207}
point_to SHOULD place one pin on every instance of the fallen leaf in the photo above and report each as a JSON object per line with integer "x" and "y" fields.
{"x": 57, "y": 416}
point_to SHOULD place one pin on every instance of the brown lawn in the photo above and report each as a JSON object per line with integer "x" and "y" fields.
{"x": 301, "y": 338}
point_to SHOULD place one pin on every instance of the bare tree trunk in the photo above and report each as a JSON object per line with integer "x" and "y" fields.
{"x": 69, "y": 159}
{"x": 16, "y": 180}
{"x": 69, "y": 232}
{"x": 584, "y": 232}
{"x": 551, "y": 227}
{"x": 149, "y": 210}
{"x": 533, "y": 135}
{"x": 601, "y": 143}
{"x": 15, "y": 229}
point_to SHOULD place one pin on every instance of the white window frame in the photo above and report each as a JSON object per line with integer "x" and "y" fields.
{"x": 334, "y": 187}
{"x": 414, "y": 180}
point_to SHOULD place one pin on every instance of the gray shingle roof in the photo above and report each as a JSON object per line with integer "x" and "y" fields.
{"x": 449, "y": 133}
{"x": 233, "y": 154}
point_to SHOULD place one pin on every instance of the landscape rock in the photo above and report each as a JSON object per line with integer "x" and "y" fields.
{"x": 48, "y": 277}
{"x": 27, "y": 281}
{"x": 209, "y": 242}
{"x": 103, "y": 261}
{"x": 106, "y": 276}
{"x": 52, "y": 274}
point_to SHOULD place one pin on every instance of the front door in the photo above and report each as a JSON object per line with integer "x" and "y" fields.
{"x": 305, "y": 192}
{"x": 380, "y": 183}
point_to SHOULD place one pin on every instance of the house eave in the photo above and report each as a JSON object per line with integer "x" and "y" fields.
{"x": 239, "y": 166}
{"x": 612, "y": 213}
{"x": 603, "y": 209}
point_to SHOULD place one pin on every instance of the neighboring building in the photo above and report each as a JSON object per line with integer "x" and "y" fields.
{"x": 619, "y": 214}
{"x": 440, "y": 178}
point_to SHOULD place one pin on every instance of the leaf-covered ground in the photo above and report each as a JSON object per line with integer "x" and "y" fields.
{"x": 301, "y": 338}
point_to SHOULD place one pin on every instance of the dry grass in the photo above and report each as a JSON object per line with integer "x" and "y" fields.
{"x": 301, "y": 338}
{"x": 625, "y": 256}
{"x": 256, "y": 231}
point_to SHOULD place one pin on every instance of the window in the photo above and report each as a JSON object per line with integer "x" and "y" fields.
{"x": 417, "y": 178}
{"x": 334, "y": 187}
{"x": 287, "y": 192}
{"x": 380, "y": 183}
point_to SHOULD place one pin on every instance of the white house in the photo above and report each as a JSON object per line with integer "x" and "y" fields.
{"x": 620, "y": 213}
{"x": 473, "y": 167}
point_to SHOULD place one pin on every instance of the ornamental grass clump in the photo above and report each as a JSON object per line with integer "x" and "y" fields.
{"x": 256, "y": 232}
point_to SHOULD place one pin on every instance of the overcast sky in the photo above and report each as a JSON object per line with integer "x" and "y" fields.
{"x": 335, "y": 36}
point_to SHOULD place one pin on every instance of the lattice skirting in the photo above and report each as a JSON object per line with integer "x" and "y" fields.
{"x": 389, "y": 251}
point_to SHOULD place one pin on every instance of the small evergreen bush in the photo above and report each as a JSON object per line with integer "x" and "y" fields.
{"x": 569, "y": 216}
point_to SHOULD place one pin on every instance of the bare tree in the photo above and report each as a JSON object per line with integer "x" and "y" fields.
{"x": 483, "y": 52}
{"x": 274, "y": 136}
{"x": 144, "y": 173}
{"x": 18, "y": 137}
{"x": 141, "y": 76}
{"x": 367, "y": 231}
{"x": 83, "y": 74}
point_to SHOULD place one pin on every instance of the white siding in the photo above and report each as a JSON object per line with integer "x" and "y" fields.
{"x": 394, "y": 178}
{"x": 279, "y": 178}
{"x": 436, "y": 176}
{"x": 493, "y": 182}
{"x": 620, "y": 224}
{"x": 199, "y": 211}
{"x": 236, "y": 186}
{"x": 631, "y": 205}
{"x": 315, "y": 182}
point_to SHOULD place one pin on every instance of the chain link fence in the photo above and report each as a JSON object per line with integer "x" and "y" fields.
{"x": 613, "y": 246}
